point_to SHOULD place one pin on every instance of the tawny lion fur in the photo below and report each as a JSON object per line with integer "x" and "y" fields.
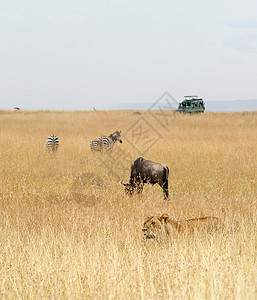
{"x": 163, "y": 226}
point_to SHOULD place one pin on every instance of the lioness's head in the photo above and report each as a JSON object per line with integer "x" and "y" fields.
{"x": 155, "y": 227}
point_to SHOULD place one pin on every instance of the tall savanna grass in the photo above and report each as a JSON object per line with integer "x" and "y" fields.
{"x": 68, "y": 231}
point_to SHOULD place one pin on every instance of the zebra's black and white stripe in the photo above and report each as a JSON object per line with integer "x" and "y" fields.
{"x": 52, "y": 143}
{"x": 108, "y": 142}
{"x": 105, "y": 143}
{"x": 96, "y": 145}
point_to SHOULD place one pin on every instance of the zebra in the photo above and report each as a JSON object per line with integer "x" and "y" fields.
{"x": 52, "y": 143}
{"x": 96, "y": 145}
{"x": 105, "y": 143}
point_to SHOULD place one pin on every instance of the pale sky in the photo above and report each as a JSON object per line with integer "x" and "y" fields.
{"x": 83, "y": 54}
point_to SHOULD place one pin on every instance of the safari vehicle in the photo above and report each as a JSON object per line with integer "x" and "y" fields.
{"x": 191, "y": 104}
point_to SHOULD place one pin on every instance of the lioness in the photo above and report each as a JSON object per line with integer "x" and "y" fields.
{"x": 156, "y": 227}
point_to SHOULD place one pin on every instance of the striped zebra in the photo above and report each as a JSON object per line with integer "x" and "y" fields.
{"x": 96, "y": 145}
{"x": 105, "y": 143}
{"x": 52, "y": 143}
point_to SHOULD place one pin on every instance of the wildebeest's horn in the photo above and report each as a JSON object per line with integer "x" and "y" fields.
{"x": 122, "y": 182}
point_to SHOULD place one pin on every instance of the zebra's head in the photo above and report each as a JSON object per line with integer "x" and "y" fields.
{"x": 116, "y": 136}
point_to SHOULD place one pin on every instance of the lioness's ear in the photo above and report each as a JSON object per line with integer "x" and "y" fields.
{"x": 164, "y": 218}
{"x": 147, "y": 219}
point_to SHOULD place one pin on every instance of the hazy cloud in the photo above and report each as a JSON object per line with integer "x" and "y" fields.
{"x": 242, "y": 24}
{"x": 245, "y": 43}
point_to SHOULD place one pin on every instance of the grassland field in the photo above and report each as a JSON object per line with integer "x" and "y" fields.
{"x": 68, "y": 231}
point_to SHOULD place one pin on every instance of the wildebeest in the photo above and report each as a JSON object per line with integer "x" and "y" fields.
{"x": 146, "y": 171}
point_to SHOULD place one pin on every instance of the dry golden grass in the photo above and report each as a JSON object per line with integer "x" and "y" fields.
{"x": 66, "y": 237}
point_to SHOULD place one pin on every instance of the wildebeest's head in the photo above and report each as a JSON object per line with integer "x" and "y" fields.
{"x": 129, "y": 188}
{"x": 116, "y": 136}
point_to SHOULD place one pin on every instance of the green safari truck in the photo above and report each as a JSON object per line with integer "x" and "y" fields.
{"x": 191, "y": 104}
